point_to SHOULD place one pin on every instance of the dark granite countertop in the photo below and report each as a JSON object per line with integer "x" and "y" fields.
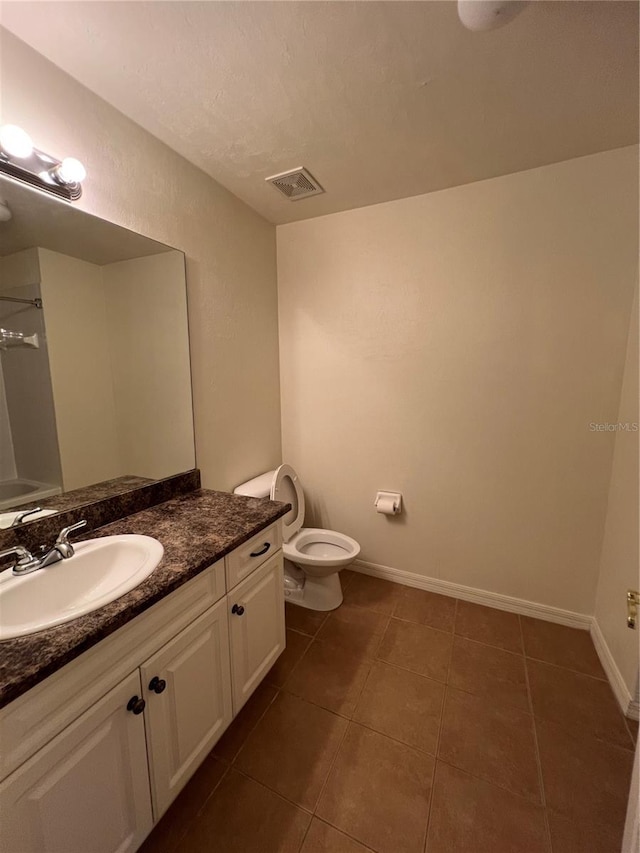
{"x": 87, "y": 494}
{"x": 196, "y": 530}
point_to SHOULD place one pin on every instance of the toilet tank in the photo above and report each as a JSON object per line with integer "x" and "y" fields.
{"x": 259, "y": 487}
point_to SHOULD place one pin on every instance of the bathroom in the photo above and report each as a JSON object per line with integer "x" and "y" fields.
{"x": 452, "y": 319}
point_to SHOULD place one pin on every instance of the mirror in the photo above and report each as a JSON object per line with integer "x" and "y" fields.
{"x": 95, "y": 380}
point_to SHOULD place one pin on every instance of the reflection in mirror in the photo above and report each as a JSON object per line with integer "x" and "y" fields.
{"x": 95, "y": 380}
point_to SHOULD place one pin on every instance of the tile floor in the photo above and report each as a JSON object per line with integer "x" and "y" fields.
{"x": 408, "y": 722}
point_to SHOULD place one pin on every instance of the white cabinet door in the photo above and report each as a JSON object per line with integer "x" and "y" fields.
{"x": 87, "y": 791}
{"x": 256, "y": 628}
{"x": 187, "y": 688}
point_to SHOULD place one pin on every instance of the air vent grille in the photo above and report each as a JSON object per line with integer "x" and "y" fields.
{"x": 296, "y": 184}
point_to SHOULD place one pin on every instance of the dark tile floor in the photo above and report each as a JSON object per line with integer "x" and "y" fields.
{"x": 409, "y": 722}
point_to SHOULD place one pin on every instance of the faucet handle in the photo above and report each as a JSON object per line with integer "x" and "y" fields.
{"x": 24, "y": 556}
{"x": 62, "y": 542}
{"x": 20, "y": 517}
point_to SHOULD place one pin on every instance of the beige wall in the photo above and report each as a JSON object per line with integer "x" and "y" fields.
{"x": 620, "y": 557}
{"x": 147, "y": 319}
{"x": 455, "y": 346}
{"x": 136, "y": 181}
{"x": 78, "y": 339}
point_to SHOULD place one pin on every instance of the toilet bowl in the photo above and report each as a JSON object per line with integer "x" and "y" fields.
{"x": 313, "y": 556}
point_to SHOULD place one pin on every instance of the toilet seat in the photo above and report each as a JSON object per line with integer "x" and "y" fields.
{"x": 314, "y": 547}
{"x": 285, "y": 487}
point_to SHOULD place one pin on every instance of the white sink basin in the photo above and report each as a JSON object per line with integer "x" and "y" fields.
{"x": 100, "y": 571}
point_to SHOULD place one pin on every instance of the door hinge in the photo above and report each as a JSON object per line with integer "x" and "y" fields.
{"x": 633, "y": 602}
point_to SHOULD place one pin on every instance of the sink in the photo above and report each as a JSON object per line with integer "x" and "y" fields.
{"x": 100, "y": 571}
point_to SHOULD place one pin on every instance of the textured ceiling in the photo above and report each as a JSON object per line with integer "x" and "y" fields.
{"x": 379, "y": 100}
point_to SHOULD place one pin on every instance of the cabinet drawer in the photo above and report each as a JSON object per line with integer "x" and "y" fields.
{"x": 241, "y": 562}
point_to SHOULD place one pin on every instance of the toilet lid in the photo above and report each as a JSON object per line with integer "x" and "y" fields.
{"x": 285, "y": 487}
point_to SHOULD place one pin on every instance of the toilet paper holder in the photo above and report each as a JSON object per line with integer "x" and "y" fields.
{"x": 388, "y": 503}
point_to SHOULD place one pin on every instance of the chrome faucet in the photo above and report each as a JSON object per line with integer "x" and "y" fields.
{"x": 27, "y": 562}
{"x": 20, "y": 517}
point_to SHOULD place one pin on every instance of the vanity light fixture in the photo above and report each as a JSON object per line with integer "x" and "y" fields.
{"x": 20, "y": 160}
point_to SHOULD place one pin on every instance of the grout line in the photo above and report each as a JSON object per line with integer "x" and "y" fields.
{"x": 306, "y": 832}
{"x": 453, "y": 642}
{"x": 570, "y": 669}
{"x": 345, "y": 833}
{"x": 356, "y": 702}
{"x": 273, "y": 791}
{"x": 442, "y": 707}
{"x": 302, "y": 633}
{"x": 346, "y": 731}
{"x": 331, "y": 766}
{"x": 423, "y": 625}
{"x": 383, "y": 634}
{"x": 362, "y": 689}
{"x": 195, "y": 818}
{"x": 489, "y": 646}
{"x": 253, "y": 728}
{"x": 536, "y": 746}
{"x": 493, "y": 784}
{"x": 412, "y": 671}
{"x": 211, "y": 793}
{"x": 585, "y": 735}
{"x": 562, "y": 725}
{"x": 298, "y": 662}
{"x": 396, "y": 739}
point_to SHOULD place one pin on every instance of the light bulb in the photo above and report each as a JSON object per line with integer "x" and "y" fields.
{"x": 71, "y": 171}
{"x": 489, "y": 14}
{"x": 15, "y": 141}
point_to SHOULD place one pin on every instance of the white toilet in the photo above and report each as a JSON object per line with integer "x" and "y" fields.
{"x": 313, "y": 557}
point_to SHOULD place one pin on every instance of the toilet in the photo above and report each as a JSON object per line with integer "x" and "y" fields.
{"x": 313, "y": 557}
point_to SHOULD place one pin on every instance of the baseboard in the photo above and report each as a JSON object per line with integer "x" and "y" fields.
{"x": 630, "y": 707}
{"x": 478, "y": 596}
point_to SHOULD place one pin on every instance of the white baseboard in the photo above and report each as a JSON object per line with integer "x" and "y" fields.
{"x": 478, "y": 596}
{"x": 629, "y": 706}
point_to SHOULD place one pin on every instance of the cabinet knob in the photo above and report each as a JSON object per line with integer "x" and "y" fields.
{"x": 238, "y": 609}
{"x": 157, "y": 684}
{"x": 262, "y": 550}
{"x": 136, "y": 705}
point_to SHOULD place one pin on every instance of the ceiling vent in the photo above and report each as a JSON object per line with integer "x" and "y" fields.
{"x": 296, "y": 184}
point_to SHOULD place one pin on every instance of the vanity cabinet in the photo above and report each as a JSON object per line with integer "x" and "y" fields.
{"x": 97, "y": 752}
{"x": 256, "y": 628}
{"x": 87, "y": 790}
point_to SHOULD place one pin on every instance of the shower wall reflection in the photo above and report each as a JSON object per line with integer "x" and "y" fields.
{"x": 29, "y": 455}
